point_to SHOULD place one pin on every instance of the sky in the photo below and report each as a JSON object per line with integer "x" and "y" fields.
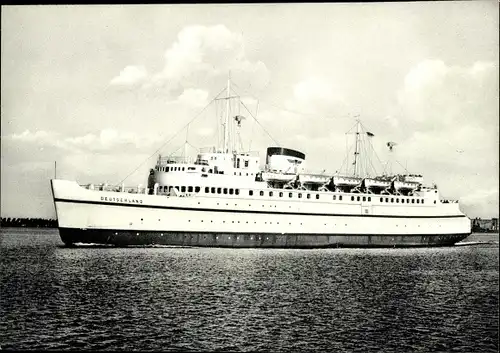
{"x": 102, "y": 89}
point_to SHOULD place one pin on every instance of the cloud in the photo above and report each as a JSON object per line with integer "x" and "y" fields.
{"x": 193, "y": 97}
{"x": 130, "y": 75}
{"x": 198, "y": 54}
{"x": 315, "y": 95}
{"x": 436, "y": 96}
{"x": 106, "y": 140}
{"x": 481, "y": 203}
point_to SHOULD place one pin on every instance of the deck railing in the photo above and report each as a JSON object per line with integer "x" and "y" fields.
{"x": 176, "y": 160}
{"x": 126, "y": 189}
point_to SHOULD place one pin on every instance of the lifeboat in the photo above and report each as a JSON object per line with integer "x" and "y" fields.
{"x": 376, "y": 183}
{"x": 346, "y": 181}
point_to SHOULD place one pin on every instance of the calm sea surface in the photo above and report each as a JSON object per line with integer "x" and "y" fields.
{"x": 206, "y": 299}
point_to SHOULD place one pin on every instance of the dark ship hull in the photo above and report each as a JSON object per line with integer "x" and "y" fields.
{"x": 72, "y": 236}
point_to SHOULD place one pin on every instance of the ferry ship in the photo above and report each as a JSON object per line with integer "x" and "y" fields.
{"x": 223, "y": 198}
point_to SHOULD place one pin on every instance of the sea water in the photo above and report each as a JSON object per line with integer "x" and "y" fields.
{"x": 285, "y": 300}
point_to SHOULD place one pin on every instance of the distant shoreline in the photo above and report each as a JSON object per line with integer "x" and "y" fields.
{"x": 28, "y": 223}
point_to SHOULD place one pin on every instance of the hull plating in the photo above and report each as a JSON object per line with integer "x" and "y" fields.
{"x": 72, "y": 236}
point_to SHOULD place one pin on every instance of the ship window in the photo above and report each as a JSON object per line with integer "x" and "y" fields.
{"x": 236, "y": 191}
{"x": 281, "y": 194}
{"x": 434, "y": 201}
{"x": 207, "y": 189}
{"x": 340, "y": 197}
{"x": 369, "y": 198}
{"x": 397, "y": 200}
{"x": 191, "y": 168}
{"x": 352, "y": 198}
{"x": 190, "y": 189}
{"x": 210, "y": 170}
{"x": 231, "y": 191}
{"x": 246, "y": 164}
{"x": 412, "y": 200}
{"x": 183, "y": 189}
{"x": 225, "y": 191}
{"x": 317, "y": 196}
{"x": 250, "y": 192}
{"x": 381, "y": 199}
{"x": 334, "y": 197}
{"x": 386, "y": 199}
{"x": 183, "y": 168}
{"x": 270, "y": 193}
{"x": 418, "y": 201}
{"x": 212, "y": 190}
{"x": 364, "y": 198}
{"x": 238, "y": 163}
{"x": 422, "y": 201}
{"x": 300, "y": 195}
{"x": 308, "y": 196}
{"x": 392, "y": 199}
{"x": 407, "y": 200}
{"x": 219, "y": 190}
{"x": 196, "y": 189}
{"x": 168, "y": 169}
{"x": 247, "y": 174}
{"x": 261, "y": 193}
{"x": 358, "y": 198}
{"x": 290, "y": 194}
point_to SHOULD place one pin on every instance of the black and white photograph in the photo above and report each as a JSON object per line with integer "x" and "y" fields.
{"x": 243, "y": 177}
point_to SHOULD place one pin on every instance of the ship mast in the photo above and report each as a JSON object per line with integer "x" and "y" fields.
{"x": 226, "y": 122}
{"x": 356, "y": 153}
